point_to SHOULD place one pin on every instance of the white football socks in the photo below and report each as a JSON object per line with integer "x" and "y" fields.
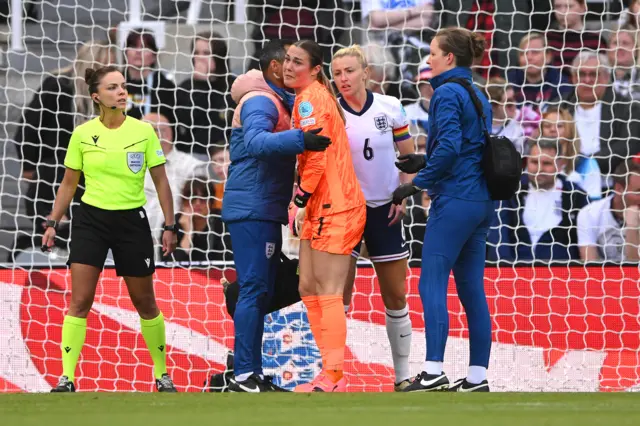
{"x": 476, "y": 374}
{"x": 399, "y": 333}
{"x": 432, "y": 367}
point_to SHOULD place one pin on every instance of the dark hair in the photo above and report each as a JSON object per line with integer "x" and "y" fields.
{"x": 141, "y": 37}
{"x": 624, "y": 170}
{"x": 546, "y": 143}
{"x": 273, "y": 50}
{"x": 199, "y": 187}
{"x": 465, "y": 45}
{"x": 94, "y": 77}
{"x": 316, "y": 56}
{"x": 219, "y": 50}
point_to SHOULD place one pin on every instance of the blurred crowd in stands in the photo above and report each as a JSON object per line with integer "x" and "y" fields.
{"x": 564, "y": 85}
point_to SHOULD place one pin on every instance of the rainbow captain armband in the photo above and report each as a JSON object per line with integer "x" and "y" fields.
{"x": 301, "y": 198}
{"x": 401, "y": 134}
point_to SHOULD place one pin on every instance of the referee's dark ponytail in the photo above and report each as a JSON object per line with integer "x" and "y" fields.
{"x": 465, "y": 45}
{"x": 93, "y": 77}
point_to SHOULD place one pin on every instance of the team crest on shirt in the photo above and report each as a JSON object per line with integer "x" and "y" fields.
{"x": 381, "y": 122}
{"x": 269, "y": 249}
{"x": 305, "y": 109}
{"x": 135, "y": 161}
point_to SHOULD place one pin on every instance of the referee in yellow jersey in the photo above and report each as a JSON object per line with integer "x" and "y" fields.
{"x": 113, "y": 151}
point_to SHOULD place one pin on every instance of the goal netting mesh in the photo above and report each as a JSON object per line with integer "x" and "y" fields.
{"x": 558, "y": 75}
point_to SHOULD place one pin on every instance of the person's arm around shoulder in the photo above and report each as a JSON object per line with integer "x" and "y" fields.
{"x": 66, "y": 191}
{"x": 259, "y": 117}
{"x": 155, "y": 162}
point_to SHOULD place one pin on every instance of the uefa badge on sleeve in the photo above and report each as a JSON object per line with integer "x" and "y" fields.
{"x": 270, "y": 248}
{"x": 305, "y": 109}
{"x": 135, "y": 161}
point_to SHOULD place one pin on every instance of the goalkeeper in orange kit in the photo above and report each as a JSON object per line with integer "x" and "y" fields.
{"x": 335, "y": 211}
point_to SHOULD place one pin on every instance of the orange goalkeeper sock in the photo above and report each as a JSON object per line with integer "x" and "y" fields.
{"x": 314, "y": 314}
{"x": 334, "y": 335}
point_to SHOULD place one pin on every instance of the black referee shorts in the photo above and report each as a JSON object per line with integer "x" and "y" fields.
{"x": 126, "y": 232}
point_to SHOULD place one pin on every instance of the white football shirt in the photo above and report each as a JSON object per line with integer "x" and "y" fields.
{"x": 598, "y": 227}
{"x": 372, "y": 134}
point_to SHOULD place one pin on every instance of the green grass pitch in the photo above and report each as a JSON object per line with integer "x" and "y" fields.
{"x": 425, "y": 409}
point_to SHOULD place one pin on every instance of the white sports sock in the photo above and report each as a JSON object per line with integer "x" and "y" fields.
{"x": 432, "y": 367}
{"x": 399, "y": 334}
{"x": 476, "y": 374}
{"x": 243, "y": 377}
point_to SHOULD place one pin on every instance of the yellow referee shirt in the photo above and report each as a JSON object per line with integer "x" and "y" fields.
{"x": 114, "y": 162}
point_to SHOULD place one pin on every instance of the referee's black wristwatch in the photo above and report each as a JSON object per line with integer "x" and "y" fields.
{"x": 50, "y": 223}
{"x": 172, "y": 228}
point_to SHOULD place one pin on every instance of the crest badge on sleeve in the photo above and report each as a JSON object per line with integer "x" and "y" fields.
{"x": 135, "y": 161}
{"x": 270, "y": 248}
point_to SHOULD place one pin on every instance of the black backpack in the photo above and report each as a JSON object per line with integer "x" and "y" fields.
{"x": 501, "y": 161}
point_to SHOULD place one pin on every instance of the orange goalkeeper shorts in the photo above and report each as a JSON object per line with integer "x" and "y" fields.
{"x": 338, "y": 233}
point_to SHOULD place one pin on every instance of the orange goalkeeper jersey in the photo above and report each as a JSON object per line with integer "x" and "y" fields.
{"x": 329, "y": 176}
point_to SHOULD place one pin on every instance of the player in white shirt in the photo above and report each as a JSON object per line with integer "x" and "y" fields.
{"x": 376, "y": 125}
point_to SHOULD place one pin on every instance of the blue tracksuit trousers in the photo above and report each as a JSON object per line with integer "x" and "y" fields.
{"x": 455, "y": 239}
{"x": 256, "y": 252}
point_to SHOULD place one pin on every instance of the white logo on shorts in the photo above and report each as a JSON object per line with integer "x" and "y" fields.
{"x": 270, "y": 249}
{"x": 135, "y": 161}
{"x": 147, "y": 261}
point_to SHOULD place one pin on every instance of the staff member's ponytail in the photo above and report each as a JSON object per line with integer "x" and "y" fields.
{"x": 465, "y": 45}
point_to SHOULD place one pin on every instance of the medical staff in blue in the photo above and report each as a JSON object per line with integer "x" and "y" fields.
{"x": 460, "y": 215}
{"x": 255, "y": 206}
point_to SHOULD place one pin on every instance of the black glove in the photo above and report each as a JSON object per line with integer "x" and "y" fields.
{"x": 403, "y": 191}
{"x": 411, "y": 163}
{"x": 315, "y": 142}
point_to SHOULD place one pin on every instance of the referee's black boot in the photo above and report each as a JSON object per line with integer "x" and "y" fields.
{"x": 64, "y": 385}
{"x": 428, "y": 383}
{"x": 461, "y": 385}
{"x": 165, "y": 384}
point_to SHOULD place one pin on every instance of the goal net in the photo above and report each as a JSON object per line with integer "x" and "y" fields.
{"x": 563, "y": 87}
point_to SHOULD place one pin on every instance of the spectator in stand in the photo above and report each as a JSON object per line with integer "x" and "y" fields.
{"x": 58, "y": 106}
{"x": 418, "y": 112}
{"x": 502, "y": 22}
{"x": 631, "y": 15}
{"x": 201, "y": 234}
{"x": 321, "y": 20}
{"x": 150, "y": 89}
{"x": 608, "y": 125}
{"x": 180, "y": 167}
{"x": 205, "y": 107}
{"x": 622, "y": 54}
{"x": 383, "y": 77}
{"x": 535, "y": 82}
{"x": 404, "y": 27}
{"x": 567, "y": 36}
{"x": 539, "y": 223}
{"x": 503, "y": 106}
{"x": 609, "y": 229}
{"x": 219, "y": 171}
{"x": 579, "y": 169}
